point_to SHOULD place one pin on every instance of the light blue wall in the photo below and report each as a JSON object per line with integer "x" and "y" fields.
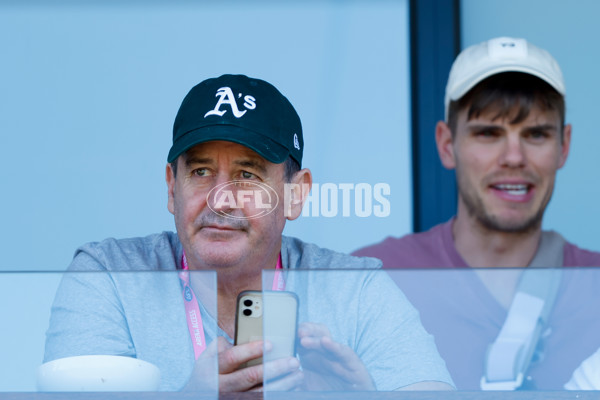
{"x": 25, "y": 300}
{"x": 570, "y": 31}
{"x": 88, "y": 95}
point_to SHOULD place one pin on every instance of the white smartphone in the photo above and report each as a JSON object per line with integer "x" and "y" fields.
{"x": 278, "y": 323}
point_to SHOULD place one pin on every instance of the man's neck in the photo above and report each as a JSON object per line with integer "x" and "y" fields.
{"x": 232, "y": 280}
{"x": 483, "y": 247}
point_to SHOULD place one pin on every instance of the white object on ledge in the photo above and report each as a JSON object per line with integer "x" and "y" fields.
{"x": 98, "y": 373}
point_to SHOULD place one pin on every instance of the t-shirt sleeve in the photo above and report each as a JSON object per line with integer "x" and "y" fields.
{"x": 87, "y": 316}
{"x": 587, "y": 375}
{"x": 393, "y": 344}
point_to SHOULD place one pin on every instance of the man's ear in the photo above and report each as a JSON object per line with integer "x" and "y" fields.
{"x": 295, "y": 193}
{"x": 170, "y": 178}
{"x": 445, "y": 145}
{"x": 566, "y": 145}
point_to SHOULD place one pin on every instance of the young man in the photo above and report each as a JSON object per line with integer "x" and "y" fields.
{"x": 237, "y": 145}
{"x": 505, "y": 136}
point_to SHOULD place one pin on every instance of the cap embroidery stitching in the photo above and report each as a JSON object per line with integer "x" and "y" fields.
{"x": 225, "y": 95}
{"x": 296, "y": 142}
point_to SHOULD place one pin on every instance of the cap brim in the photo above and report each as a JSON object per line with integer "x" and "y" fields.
{"x": 264, "y": 146}
{"x": 469, "y": 84}
{"x": 461, "y": 90}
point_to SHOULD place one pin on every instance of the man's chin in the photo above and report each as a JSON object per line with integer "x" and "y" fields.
{"x": 219, "y": 261}
{"x": 219, "y": 253}
{"x": 511, "y": 225}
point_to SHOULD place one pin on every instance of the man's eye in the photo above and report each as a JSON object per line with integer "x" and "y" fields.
{"x": 538, "y": 134}
{"x": 247, "y": 175}
{"x": 486, "y": 133}
{"x": 200, "y": 172}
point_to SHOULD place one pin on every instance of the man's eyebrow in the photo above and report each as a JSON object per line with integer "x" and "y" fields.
{"x": 542, "y": 127}
{"x": 252, "y": 163}
{"x": 192, "y": 160}
{"x": 478, "y": 126}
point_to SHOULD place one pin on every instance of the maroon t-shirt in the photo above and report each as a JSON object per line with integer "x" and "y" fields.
{"x": 435, "y": 249}
{"x": 465, "y": 318}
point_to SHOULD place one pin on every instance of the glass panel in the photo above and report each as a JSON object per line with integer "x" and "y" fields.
{"x": 367, "y": 331}
{"x": 118, "y": 331}
{"x": 465, "y": 309}
{"x": 356, "y": 332}
{"x": 394, "y": 328}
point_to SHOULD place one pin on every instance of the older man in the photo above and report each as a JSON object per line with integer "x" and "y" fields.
{"x": 234, "y": 177}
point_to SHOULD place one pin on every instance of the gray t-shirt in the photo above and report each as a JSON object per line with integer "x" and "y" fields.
{"x": 142, "y": 314}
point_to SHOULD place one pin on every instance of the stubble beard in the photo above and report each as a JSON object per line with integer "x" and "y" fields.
{"x": 476, "y": 209}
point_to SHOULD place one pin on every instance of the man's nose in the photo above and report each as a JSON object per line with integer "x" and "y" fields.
{"x": 513, "y": 154}
{"x": 231, "y": 197}
{"x": 222, "y": 195}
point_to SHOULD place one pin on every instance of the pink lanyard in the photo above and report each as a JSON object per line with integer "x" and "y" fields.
{"x": 278, "y": 281}
{"x": 192, "y": 308}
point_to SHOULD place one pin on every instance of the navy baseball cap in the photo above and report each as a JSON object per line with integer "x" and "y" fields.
{"x": 239, "y": 109}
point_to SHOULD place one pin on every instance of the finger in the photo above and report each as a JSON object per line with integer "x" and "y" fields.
{"x": 311, "y": 343}
{"x": 231, "y": 358}
{"x": 291, "y": 381}
{"x": 280, "y": 367}
{"x": 344, "y": 353}
{"x": 307, "y": 329}
{"x": 241, "y": 380}
{"x": 328, "y": 356}
{"x": 330, "y": 348}
{"x": 327, "y": 346}
{"x": 341, "y": 357}
{"x": 251, "y": 378}
{"x": 353, "y": 376}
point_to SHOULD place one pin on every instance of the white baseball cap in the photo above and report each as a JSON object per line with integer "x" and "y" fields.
{"x": 503, "y": 54}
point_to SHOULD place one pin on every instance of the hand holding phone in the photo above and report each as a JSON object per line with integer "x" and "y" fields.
{"x": 268, "y": 315}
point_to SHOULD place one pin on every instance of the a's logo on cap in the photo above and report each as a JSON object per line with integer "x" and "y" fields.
{"x": 296, "y": 142}
{"x": 226, "y": 96}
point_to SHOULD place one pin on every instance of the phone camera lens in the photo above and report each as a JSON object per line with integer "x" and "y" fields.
{"x": 247, "y": 302}
{"x": 247, "y": 312}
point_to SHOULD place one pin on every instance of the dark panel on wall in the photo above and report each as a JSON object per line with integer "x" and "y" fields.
{"x": 435, "y": 42}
